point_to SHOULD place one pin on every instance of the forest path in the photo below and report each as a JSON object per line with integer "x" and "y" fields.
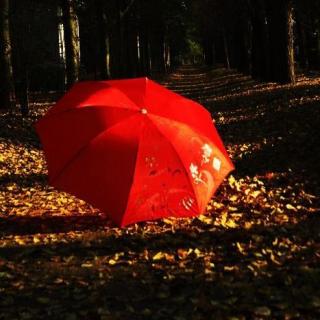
{"x": 255, "y": 255}
{"x": 267, "y": 127}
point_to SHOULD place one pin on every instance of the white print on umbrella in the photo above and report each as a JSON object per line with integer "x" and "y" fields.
{"x": 187, "y": 203}
{"x": 195, "y": 174}
{"x": 206, "y": 153}
{"x": 216, "y": 163}
{"x": 150, "y": 161}
{"x": 206, "y": 156}
{"x": 198, "y": 174}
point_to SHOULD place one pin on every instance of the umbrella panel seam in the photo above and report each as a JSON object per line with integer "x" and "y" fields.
{"x": 85, "y": 107}
{"x": 83, "y": 148}
{"x": 179, "y": 159}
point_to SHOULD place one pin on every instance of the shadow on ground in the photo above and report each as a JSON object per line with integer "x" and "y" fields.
{"x": 79, "y": 266}
{"x": 141, "y": 287}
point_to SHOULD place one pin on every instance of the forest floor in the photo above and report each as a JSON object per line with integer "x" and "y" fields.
{"x": 255, "y": 255}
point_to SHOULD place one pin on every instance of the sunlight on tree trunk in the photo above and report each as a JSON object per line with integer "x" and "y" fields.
{"x": 71, "y": 37}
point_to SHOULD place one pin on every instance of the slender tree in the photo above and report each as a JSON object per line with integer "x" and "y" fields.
{"x": 241, "y": 40}
{"x": 103, "y": 38}
{"x": 308, "y": 33}
{"x": 6, "y": 78}
{"x": 302, "y": 55}
{"x": 259, "y": 40}
{"x": 280, "y": 23}
{"x": 144, "y": 46}
{"x": 70, "y": 24}
{"x": 208, "y": 50}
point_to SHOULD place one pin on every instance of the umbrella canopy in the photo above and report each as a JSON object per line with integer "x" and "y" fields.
{"x": 133, "y": 149}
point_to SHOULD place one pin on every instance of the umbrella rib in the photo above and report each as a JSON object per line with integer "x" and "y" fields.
{"x": 145, "y": 89}
{"x": 183, "y": 123}
{"x": 134, "y": 172}
{"x": 94, "y": 107}
{"x": 224, "y": 152}
{"x": 178, "y": 97}
{"x": 179, "y": 159}
{"x": 144, "y": 93}
{"x": 178, "y": 121}
{"x": 83, "y": 148}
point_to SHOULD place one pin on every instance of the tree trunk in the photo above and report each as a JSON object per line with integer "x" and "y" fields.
{"x": 132, "y": 52}
{"x": 70, "y": 24}
{"x": 167, "y": 56}
{"x": 22, "y": 87}
{"x": 144, "y": 51}
{"x": 115, "y": 50}
{"x": 302, "y": 44}
{"x": 317, "y": 64}
{"x": 311, "y": 45}
{"x": 208, "y": 52}
{"x": 127, "y": 48}
{"x": 157, "y": 49}
{"x": 219, "y": 49}
{"x": 226, "y": 50}
{"x": 259, "y": 41}
{"x": 6, "y": 78}
{"x": 103, "y": 54}
{"x": 241, "y": 47}
{"x": 280, "y": 21}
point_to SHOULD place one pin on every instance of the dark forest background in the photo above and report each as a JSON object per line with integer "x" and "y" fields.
{"x": 48, "y": 45}
{"x": 255, "y": 253}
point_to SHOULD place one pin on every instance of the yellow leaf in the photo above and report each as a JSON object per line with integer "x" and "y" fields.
{"x": 231, "y": 224}
{"x": 20, "y": 241}
{"x": 36, "y": 239}
{"x": 167, "y": 221}
{"x": 230, "y": 268}
{"x": 259, "y": 263}
{"x": 86, "y": 265}
{"x": 205, "y": 219}
{"x": 240, "y": 248}
{"x": 291, "y": 207}
{"x": 233, "y": 198}
{"x": 254, "y": 194}
{"x": 275, "y": 242}
{"x": 158, "y": 256}
{"x": 274, "y": 260}
{"x": 231, "y": 180}
{"x": 224, "y": 219}
{"x": 198, "y": 252}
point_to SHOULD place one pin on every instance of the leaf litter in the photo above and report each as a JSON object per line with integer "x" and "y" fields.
{"x": 254, "y": 255}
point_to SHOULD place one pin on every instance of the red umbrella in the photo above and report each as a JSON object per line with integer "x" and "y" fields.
{"x": 133, "y": 149}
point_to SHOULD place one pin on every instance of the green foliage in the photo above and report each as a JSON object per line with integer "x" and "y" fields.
{"x": 194, "y": 47}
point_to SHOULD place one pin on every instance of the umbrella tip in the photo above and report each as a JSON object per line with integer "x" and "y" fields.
{"x": 143, "y": 111}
